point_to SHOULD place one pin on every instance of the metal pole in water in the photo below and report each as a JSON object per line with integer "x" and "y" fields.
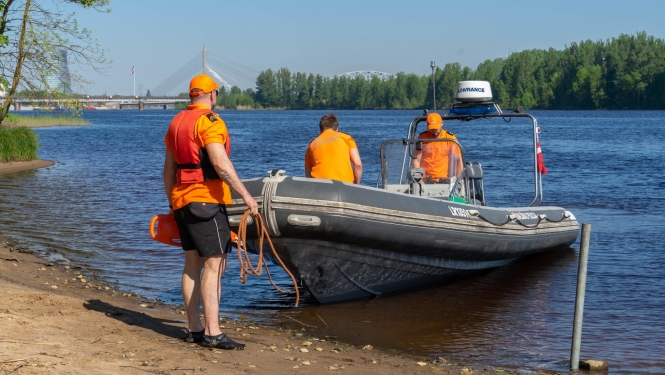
{"x": 579, "y": 299}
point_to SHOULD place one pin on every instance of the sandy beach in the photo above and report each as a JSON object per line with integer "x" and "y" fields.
{"x": 21, "y": 166}
{"x": 45, "y": 121}
{"x": 60, "y": 319}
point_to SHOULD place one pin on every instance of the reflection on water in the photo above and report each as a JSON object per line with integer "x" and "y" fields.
{"x": 93, "y": 207}
{"x": 470, "y": 320}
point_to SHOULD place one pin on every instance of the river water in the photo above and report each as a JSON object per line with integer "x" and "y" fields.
{"x": 93, "y": 208}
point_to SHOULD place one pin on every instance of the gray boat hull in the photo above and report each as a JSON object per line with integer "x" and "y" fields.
{"x": 345, "y": 241}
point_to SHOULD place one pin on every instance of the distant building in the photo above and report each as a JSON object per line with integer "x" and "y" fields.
{"x": 60, "y": 79}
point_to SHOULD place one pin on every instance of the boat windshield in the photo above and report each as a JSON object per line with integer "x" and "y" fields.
{"x": 423, "y": 167}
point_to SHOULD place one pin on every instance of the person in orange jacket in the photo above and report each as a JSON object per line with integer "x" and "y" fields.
{"x": 333, "y": 154}
{"x": 198, "y": 176}
{"x": 435, "y": 157}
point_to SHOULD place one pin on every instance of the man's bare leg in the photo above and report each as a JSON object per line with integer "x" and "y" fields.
{"x": 211, "y": 288}
{"x": 191, "y": 289}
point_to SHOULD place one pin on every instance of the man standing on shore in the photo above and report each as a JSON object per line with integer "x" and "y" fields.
{"x": 332, "y": 154}
{"x": 198, "y": 176}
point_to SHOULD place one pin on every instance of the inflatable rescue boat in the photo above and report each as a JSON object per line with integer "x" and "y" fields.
{"x": 344, "y": 241}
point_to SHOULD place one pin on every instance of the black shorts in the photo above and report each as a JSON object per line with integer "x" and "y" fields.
{"x": 204, "y": 227}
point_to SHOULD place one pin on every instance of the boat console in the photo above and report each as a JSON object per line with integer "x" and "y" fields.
{"x": 400, "y": 173}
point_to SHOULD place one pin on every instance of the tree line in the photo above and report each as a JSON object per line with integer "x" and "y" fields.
{"x": 626, "y": 72}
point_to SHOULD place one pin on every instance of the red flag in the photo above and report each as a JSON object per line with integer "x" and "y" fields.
{"x": 539, "y": 156}
{"x": 132, "y": 69}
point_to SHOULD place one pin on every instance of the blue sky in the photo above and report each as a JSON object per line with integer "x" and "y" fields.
{"x": 332, "y": 37}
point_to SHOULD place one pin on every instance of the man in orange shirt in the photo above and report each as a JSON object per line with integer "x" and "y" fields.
{"x": 333, "y": 154}
{"x": 198, "y": 176}
{"x": 435, "y": 157}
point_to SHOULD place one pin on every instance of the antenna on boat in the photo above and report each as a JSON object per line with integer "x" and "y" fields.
{"x": 433, "y": 65}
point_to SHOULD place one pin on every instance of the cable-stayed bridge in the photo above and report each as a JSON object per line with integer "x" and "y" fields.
{"x": 229, "y": 74}
{"x": 226, "y": 72}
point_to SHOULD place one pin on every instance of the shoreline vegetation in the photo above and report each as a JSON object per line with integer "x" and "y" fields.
{"x": 18, "y": 142}
{"x": 43, "y": 121}
{"x": 626, "y": 72}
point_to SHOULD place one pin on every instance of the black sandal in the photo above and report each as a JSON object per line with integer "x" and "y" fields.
{"x": 221, "y": 342}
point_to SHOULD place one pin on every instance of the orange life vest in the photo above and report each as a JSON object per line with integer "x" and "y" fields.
{"x": 193, "y": 163}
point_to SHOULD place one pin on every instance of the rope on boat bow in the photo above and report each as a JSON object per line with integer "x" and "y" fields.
{"x": 246, "y": 267}
{"x": 512, "y": 218}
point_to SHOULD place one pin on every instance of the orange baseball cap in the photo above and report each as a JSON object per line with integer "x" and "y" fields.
{"x": 434, "y": 121}
{"x": 202, "y": 82}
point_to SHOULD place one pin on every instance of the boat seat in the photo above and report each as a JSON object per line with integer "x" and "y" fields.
{"x": 474, "y": 172}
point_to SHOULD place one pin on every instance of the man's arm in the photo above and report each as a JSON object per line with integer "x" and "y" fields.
{"x": 226, "y": 172}
{"x": 169, "y": 175}
{"x": 357, "y": 165}
{"x": 308, "y": 163}
{"x": 416, "y": 161}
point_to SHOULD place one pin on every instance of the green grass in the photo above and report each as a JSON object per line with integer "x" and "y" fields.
{"x": 18, "y": 144}
{"x": 39, "y": 121}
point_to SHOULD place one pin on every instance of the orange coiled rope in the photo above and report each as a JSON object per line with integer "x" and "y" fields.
{"x": 246, "y": 266}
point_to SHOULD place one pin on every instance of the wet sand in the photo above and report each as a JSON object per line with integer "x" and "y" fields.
{"x": 20, "y": 166}
{"x": 58, "y": 318}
